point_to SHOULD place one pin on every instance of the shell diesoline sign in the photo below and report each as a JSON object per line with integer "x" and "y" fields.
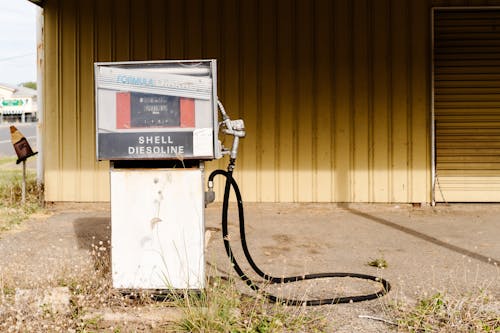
{"x": 156, "y": 110}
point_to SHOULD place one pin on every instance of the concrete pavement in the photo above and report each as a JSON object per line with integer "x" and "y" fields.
{"x": 448, "y": 249}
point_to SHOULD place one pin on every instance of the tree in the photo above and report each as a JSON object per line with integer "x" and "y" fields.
{"x": 31, "y": 85}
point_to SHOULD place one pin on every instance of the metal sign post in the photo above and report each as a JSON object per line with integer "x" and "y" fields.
{"x": 23, "y": 151}
{"x": 23, "y": 187}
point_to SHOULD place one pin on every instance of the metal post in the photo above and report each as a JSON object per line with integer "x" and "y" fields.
{"x": 23, "y": 188}
{"x": 39, "y": 85}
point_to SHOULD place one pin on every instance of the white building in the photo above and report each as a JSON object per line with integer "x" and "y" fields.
{"x": 17, "y": 104}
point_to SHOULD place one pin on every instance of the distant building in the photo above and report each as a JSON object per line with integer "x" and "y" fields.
{"x": 17, "y": 104}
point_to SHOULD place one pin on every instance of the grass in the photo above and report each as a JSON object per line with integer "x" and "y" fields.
{"x": 469, "y": 312}
{"x": 223, "y": 308}
{"x": 6, "y": 160}
{"x": 12, "y": 211}
{"x": 378, "y": 263}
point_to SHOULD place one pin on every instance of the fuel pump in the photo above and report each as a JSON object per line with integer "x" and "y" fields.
{"x": 157, "y": 124}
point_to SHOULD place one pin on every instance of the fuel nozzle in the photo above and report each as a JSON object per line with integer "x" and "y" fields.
{"x": 236, "y": 128}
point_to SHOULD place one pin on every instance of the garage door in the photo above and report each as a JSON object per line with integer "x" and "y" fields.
{"x": 467, "y": 104}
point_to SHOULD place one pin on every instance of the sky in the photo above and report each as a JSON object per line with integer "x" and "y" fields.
{"x": 17, "y": 41}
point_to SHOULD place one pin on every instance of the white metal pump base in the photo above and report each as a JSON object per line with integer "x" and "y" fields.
{"x": 157, "y": 228}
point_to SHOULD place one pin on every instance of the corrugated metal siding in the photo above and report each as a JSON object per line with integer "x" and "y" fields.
{"x": 335, "y": 94}
{"x": 467, "y": 104}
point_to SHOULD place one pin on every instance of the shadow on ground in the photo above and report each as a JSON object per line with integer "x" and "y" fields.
{"x": 90, "y": 230}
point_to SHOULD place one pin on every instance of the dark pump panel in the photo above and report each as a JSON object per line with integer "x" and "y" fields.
{"x": 150, "y": 110}
{"x": 136, "y": 146}
{"x": 156, "y": 110}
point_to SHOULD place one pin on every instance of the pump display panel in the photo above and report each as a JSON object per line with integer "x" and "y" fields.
{"x": 156, "y": 110}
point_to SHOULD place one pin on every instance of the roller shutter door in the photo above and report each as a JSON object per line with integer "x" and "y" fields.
{"x": 467, "y": 104}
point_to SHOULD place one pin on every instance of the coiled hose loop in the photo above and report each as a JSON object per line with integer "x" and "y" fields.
{"x": 230, "y": 182}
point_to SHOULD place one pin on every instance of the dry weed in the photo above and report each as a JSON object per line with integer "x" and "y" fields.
{"x": 221, "y": 307}
{"x": 12, "y": 210}
{"x": 476, "y": 310}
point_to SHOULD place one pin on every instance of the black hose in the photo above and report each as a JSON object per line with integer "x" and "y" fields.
{"x": 230, "y": 182}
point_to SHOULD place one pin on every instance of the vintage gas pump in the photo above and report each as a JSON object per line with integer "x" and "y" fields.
{"x": 157, "y": 124}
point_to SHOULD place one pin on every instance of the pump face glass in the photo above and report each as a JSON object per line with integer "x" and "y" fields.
{"x": 155, "y": 110}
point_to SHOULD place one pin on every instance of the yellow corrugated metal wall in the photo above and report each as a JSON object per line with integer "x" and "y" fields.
{"x": 335, "y": 94}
